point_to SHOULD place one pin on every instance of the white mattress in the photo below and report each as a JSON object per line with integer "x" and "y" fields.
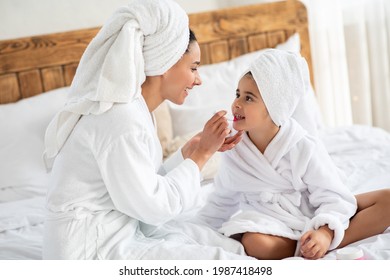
{"x": 363, "y": 153}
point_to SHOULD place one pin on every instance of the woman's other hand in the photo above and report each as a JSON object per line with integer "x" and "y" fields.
{"x": 191, "y": 145}
{"x": 231, "y": 141}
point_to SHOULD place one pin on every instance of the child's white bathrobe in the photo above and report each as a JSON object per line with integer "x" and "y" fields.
{"x": 291, "y": 188}
{"x": 294, "y": 186}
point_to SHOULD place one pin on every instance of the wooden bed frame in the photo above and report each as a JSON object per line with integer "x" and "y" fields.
{"x": 32, "y": 65}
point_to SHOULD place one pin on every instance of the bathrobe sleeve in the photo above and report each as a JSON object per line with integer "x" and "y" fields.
{"x": 135, "y": 187}
{"x": 174, "y": 160}
{"x": 220, "y": 205}
{"x": 334, "y": 202}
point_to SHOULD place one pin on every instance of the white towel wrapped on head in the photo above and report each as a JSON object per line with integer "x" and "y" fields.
{"x": 282, "y": 78}
{"x": 143, "y": 38}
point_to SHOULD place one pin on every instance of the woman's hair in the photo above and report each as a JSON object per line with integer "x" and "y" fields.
{"x": 192, "y": 39}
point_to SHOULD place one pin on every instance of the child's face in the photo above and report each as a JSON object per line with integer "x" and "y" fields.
{"x": 248, "y": 109}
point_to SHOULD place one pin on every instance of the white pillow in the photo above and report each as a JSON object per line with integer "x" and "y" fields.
{"x": 217, "y": 92}
{"x": 22, "y": 130}
{"x": 164, "y": 127}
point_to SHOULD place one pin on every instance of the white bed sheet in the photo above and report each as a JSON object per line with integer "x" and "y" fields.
{"x": 363, "y": 153}
{"x": 21, "y": 223}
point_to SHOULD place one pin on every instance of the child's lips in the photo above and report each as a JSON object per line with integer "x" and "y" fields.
{"x": 238, "y": 118}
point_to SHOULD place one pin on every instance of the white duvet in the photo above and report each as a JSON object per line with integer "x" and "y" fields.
{"x": 363, "y": 153}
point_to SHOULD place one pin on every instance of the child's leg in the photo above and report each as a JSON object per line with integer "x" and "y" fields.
{"x": 372, "y": 216}
{"x": 268, "y": 247}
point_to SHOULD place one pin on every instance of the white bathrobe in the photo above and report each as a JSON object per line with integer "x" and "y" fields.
{"x": 108, "y": 187}
{"x": 292, "y": 188}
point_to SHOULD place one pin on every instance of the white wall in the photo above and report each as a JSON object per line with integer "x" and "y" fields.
{"x": 20, "y": 18}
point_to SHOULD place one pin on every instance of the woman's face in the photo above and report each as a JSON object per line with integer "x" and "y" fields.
{"x": 183, "y": 76}
{"x": 248, "y": 109}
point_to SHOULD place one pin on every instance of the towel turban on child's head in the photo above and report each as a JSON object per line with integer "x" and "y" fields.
{"x": 282, "y": 79}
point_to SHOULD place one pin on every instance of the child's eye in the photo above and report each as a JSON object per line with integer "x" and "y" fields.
{"x": 237, "y": 95}
{"x": 248, "y": 98}
{"x": 194, "y": 69}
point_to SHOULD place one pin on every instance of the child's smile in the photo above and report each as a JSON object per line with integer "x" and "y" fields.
{"x": 238, "y": 117}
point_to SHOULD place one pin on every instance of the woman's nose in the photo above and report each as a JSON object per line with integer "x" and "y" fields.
{"x": 198, "y": 80}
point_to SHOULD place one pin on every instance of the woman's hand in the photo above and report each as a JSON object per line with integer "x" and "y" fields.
{"x": 229, "y": 143}
{"x": 213, "y": 138}
{"x": 315, "y": 243}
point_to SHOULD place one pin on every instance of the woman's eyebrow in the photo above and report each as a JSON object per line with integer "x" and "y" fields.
{"x": 196, "y": 62}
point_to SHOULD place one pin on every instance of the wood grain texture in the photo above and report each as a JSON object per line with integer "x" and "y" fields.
{"x": 30, "y": 83}
{"x": 30, "y": 66}
{"x": 53, "y": 77}
{"x": 255, "y": 26}
{"x": 44, "y": 51}
{"x": 41, "y": 63}
{"x": 9, "y": 85}
{"x": 238, "y": 46}
{"x": 69, "y": 72}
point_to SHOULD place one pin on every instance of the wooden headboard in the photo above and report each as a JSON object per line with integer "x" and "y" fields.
{"x": 32, "y": 65}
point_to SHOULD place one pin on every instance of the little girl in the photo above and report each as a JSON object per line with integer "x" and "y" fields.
{"x": 278, "y": 191}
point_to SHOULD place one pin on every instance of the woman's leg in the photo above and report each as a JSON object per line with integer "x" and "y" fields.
{"x": 268, "y": 247}
{"x": 372, "y": 216}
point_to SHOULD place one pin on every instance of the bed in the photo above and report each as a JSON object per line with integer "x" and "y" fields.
{"x": 35, "y": 73}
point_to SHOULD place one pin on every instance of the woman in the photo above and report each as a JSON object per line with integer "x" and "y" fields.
{"x": 107, "y": 179}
